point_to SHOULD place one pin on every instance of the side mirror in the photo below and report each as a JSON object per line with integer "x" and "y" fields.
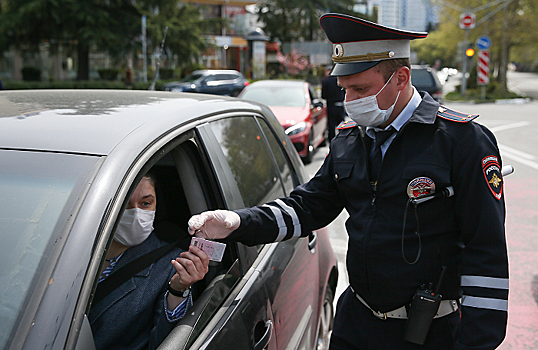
{"x": 317, "y": 103}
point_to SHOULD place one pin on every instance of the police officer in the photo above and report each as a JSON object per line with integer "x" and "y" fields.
{"x": 334, "y": 95}
{"x": 402, "y": 147}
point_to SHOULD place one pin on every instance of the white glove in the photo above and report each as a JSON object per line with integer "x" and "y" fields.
{"x": 215, "y": 224}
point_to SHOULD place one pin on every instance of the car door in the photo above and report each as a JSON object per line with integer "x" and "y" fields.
{"x": 297, "y": 294}
{"x": 207, "y": 84}
{"x": 226, "y": 83}
{"x": 258, "y": 173}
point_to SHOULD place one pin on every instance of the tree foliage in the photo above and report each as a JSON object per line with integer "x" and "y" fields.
{"x": 298, "y": 20}
{"x": 512, "y": 29}
{"x": 113, "y": 26}
{"x": 294, "y": 62}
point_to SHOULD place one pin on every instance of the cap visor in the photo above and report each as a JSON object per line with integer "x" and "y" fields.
{"x": 341, "y": 69}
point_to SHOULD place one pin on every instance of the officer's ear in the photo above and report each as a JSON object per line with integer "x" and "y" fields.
{"x": 403, "y": 77}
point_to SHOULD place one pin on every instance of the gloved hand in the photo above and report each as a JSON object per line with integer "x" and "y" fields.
{"x": 214, "y": 224}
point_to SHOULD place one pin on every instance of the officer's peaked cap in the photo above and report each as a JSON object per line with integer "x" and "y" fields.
{"x": 359, "y": 45}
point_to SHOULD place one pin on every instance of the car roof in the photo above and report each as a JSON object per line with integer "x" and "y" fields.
{"x": 95, "y": 121}
{"x": 217, "y": 71}
{"x": 277, "y": 83}
{"x": 418, "y": 66}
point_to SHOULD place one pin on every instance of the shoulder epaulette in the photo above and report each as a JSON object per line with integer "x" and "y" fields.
{"x": 450, "y": 114}
{"x": 346, "y": 125}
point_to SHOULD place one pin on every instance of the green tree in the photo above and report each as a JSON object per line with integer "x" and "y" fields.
{"x": 298, "y": 20}
{"x": 511, "y": 25}
{"x": 186, "y": 28}
{"x": 113, "y": 26}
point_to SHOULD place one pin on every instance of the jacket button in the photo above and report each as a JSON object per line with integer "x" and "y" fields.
{"x": 336, "y": 176}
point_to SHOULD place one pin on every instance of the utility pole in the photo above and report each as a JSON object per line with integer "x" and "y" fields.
{"x": 152, "y": 86}
{"x": 144, "y": 50}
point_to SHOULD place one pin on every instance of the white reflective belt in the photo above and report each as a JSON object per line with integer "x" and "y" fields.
{"x": 282, "y": 228}
{"x": 294, "y": 217}
{"x": 446, "y": 307}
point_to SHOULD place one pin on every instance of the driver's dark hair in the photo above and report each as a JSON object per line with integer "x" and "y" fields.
{"x": 152, "y": 178}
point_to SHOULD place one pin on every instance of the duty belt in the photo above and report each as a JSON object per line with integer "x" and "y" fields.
{"x": 446, "y": 307}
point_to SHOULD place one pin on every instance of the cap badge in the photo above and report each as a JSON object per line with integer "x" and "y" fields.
{"x": 420, "y": 187}
{"x": 338, "y": 50}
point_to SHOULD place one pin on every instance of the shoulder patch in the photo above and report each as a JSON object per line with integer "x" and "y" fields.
{"x": 450, "y": 114}
{"x": 493, "y": 176}
{"x": 346, "y": 125}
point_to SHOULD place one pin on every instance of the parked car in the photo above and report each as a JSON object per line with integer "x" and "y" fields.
{"x": 218, "y": 82}
{"x": 298, "y": 109}
{"x": 70, "y": 161}
{"x": 425, "y": 79}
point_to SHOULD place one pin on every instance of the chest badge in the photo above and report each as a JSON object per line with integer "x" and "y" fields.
{"x": 420, "y": 187}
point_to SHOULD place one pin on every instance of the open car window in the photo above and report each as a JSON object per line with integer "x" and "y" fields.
{"x": 183, "y": 187}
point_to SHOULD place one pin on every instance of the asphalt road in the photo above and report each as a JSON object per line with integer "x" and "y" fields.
{"x": 515, "y": 124}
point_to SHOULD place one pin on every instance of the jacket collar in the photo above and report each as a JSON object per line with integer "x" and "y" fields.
{"x": 426, "y": 112}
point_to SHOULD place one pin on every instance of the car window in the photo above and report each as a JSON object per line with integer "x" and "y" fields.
{"x": 286, "y": 96}
{"x": 183, "y": 187}
{"x": 287, "y": 176}
{"x": 37, "y": 193}
{"x": 249, "y": 159}
{"x": 192, "y": 77}
{"x": 421, "y": 77}
{"x": 225, "y": 77}
{"x": 210, "y": 78}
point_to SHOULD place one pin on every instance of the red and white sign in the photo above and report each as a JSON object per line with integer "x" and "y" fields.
{"x": 483, "y": 67}
{"x": 467, "y": 20}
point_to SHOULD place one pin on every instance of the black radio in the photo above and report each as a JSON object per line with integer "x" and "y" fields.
{"x": 423, "y": 309}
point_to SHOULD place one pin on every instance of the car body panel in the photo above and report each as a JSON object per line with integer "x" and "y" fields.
{"x": 292, "y": 107}
{"x": 425, "y": 79}
{"x": 146, "y": 126}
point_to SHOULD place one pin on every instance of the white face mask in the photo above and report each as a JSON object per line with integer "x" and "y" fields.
{"x": 366, "y": 112}
{"x": 134, "y": 227}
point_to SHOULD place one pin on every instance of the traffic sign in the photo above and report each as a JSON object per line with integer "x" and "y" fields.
{"x": 467, "y": 20}
{"x": 483, "y": 67}
{"x": 483, "y": 43}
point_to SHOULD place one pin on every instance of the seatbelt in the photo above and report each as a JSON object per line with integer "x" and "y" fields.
{"x": 127, "y": 271}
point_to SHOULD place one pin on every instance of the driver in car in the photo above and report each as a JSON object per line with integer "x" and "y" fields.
{"x": 141, "y": 312}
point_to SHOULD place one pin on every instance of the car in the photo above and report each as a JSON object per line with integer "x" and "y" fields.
{"x": 210, "y": 81}
{"x": 425, "y": 79}
{"x": 70, "y": 162}
{"x": 300, "y": 112}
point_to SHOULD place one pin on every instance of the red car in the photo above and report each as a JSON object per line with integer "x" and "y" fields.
{"x": 297, "y": 108}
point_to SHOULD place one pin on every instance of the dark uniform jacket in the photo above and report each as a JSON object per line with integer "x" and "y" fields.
{"x": 464, "y": 232}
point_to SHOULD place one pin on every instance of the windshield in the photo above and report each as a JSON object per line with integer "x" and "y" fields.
{"x": 191, "y": 78}
{"x": 421, "y": 77}
{"x": 276, "y": 95}
{"x": 37, "y": 192}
